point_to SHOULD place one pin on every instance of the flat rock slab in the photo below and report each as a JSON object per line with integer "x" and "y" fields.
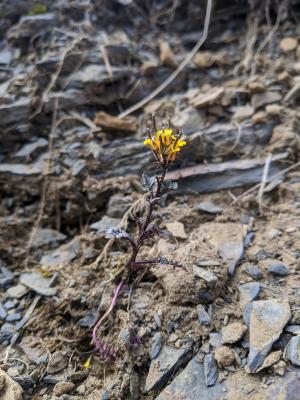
{"x": 24, "y": 169}
{"x": 62, "y": 254}
{"x": 105, "y": 223}
{"x": 267, "y": 320}
{"x": 209, "y": 178}
{"x": 36, "y": 282}
{"x": 47, "y": 237}
{"x": 190, "y": 385}
{"x": 167, "y": 363}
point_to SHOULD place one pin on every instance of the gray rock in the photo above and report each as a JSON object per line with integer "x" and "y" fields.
{"x": 189, "y": 120}
{"x": 6, "y": 272}
{"x": 267, "y": 321}
{"x": 156, "y": 345}
{"x": 118, "y": 205}
{"x": 208, "y": 207}
{"x": 259, "y": 100}
{"x": 88, "y": 320}
{"x": 31, "y": 25}
{"x": 164, "y": 366}
{"x": 279, "y": 269}
{"x": 215, "y": 339}
{"x": 5, "y": 56}
{"x": 263, "y": 254}
{"x": 26, "y": 381}
{"x": 17, "y": 111}
{"x": 14, "y": 317}
{"x": 47, "y": 237}
{"x": 3, "y": 312}
{"x": 294, "y": 329}
{"x": 28, "y": 149}
{"x": 67, "y": 99}
{"x": 7, "y": 331}
{"x": 247, "y": 313}
{"x": 36, "y": 282}
{"x": 58, "y": 361}
{"x": 254, "y": 271}
{"x": 209, "y": 277}
{"x": 210, "y": 370}
{"x": 232, "y": 252}
{"x": 190, "y": 385}
{"x": 288, "y": 388}
{"x": 9, "y": 304}
{"x": 62, "y": 254}
{"x": 105, "y": 223}
{"x": 35, "y": 168}
{"x": 95, "y": 74}
{"x": 292, "y": 351}
{"x": 203, "y": 316}
{"x": 248, "y": 292}
{"x": 77, "y": 167}
{"x": 16, "y": 292}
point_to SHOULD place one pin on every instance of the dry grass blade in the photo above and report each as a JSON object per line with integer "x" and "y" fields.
{"x": 177, "y": 71}
{"x": 251, "y": 190}
{"x": 263, "y": 183}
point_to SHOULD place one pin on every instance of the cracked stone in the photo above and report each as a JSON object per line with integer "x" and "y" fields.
{"x": 267, "y": 321}
{"x": 190, "y": 383}
{"x": 169, "y": 360}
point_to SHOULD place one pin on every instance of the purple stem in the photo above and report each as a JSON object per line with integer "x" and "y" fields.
{"x": 99, "y": 344}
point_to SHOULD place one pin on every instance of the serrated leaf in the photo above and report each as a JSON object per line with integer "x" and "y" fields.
{"x": 116, "y": 233}
{"x": 148, "y": 181}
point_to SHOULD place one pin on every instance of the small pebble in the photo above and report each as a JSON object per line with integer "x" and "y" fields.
{"x": 62, "y": 388}
{"x": 9, "y": 304}
{"x": 278, "y": 269}
{"x": 224, "y": 356}
{"x": 233, "y": 332}
{"x": 13, "y": 317}
{"x": 254, "y": 271}
{"x": 203, "y": 316}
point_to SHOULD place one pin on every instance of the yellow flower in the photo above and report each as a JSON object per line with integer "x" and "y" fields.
{"x": 165, "y": 144}
{"x": 87, "y": 364}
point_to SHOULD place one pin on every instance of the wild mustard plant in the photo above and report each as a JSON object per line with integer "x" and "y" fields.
{"x": 165, "y": 145}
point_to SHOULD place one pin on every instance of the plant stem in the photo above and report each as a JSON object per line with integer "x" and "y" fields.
{"x": 147, "y": 222}
{"x": 99, "y": 344}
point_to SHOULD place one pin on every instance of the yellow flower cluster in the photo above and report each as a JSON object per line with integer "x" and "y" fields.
{"x": 165, "y": 145}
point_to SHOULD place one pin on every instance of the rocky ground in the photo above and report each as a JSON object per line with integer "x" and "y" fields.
{"x": 226, "y": 324}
